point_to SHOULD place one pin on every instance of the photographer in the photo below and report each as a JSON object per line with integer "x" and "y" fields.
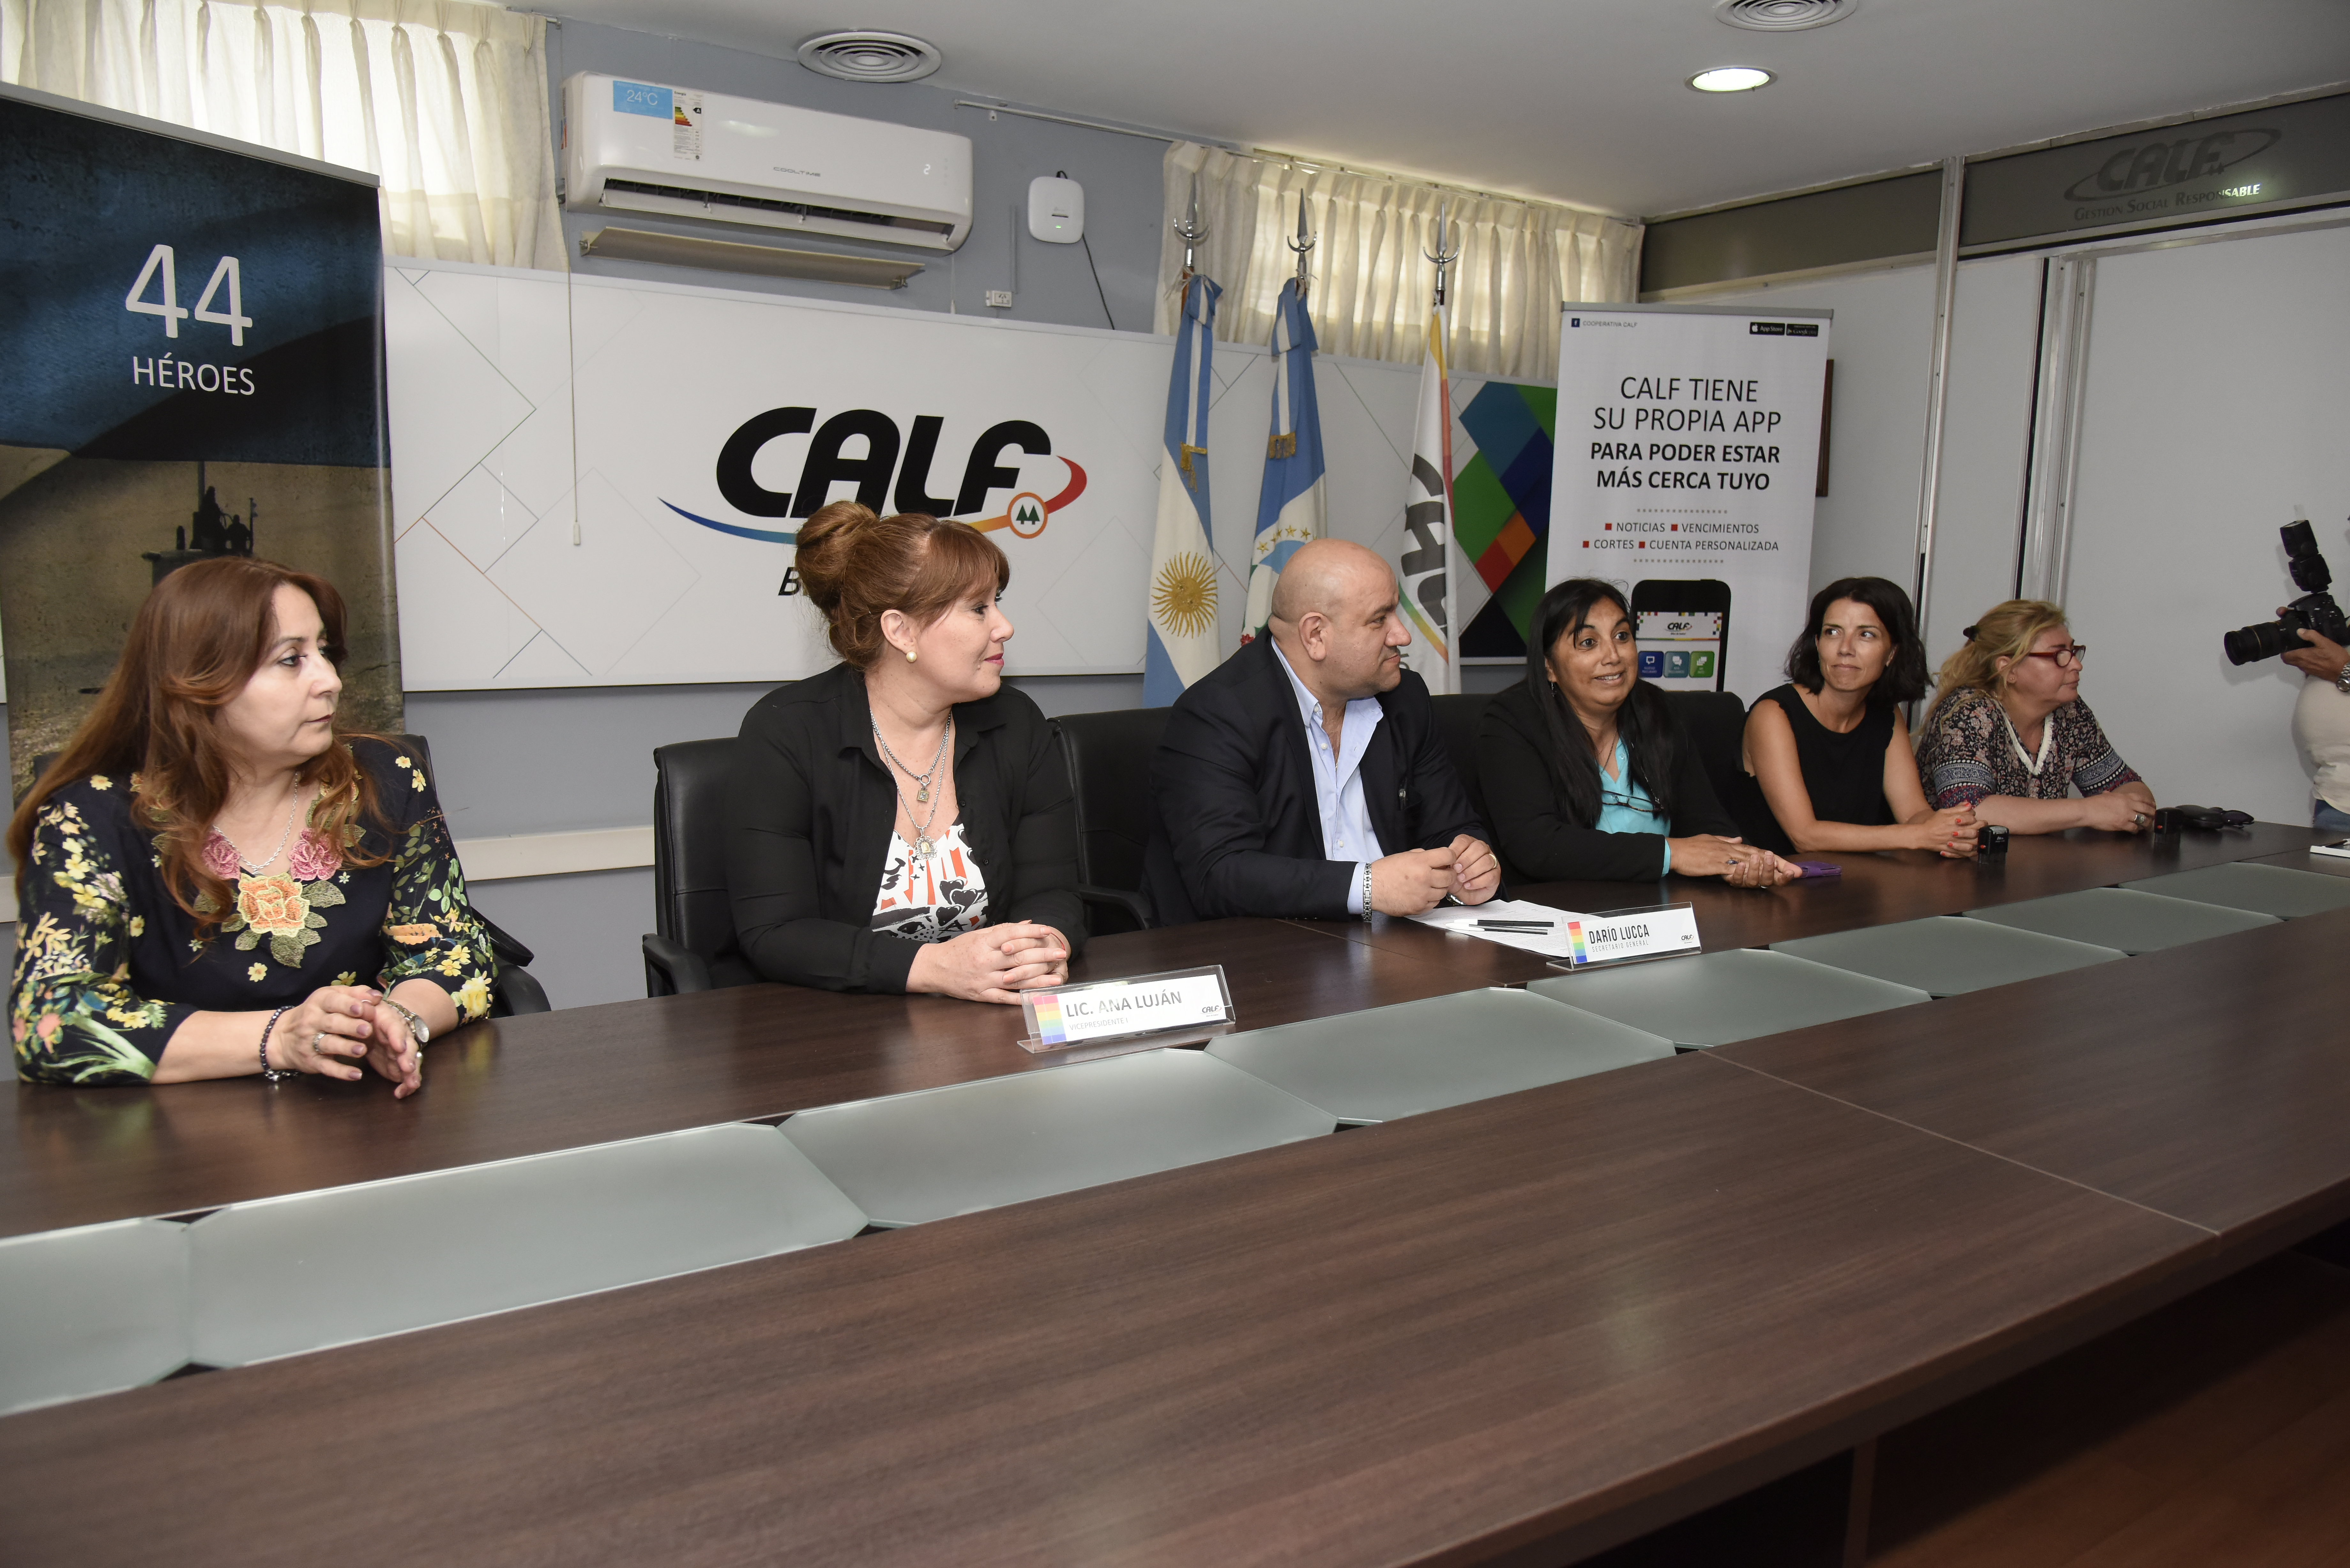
{"x": 2321, "y": 725}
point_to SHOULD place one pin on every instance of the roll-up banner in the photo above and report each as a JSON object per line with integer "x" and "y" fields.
{"x": 195, "y": 349}
{"x": 1685, "y": 461}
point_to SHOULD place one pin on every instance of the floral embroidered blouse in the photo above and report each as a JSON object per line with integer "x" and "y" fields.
{"x": 1969, "y": 750}
{"x": 108, "y": 965}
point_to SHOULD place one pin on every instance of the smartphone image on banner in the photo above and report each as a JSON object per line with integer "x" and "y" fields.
{"x": 1682, "y": 628}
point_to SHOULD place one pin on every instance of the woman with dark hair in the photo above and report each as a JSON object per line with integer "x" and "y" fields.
{"x": 903, "y": 821}
{"x": 213, "y": 879}
{"x": 1831, "y": 748}
{"x": 1586, "y": 775}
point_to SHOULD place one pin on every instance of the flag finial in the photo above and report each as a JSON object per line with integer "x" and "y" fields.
{"x": 1301, "y": 244}
{"x": 1442, "y": 255}
{"x": 1189, "y": 230}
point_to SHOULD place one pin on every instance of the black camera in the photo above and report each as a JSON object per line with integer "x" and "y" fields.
{"x": 2313, "y": 611}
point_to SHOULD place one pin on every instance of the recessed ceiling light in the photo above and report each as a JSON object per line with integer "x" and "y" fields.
{"x": 1731, "y": 78}
{"x": 1782, "y": 16}
{"x": 869, "y": 56}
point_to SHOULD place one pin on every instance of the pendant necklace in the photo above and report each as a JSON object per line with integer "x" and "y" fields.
{"x": 946, "y": 739}
{"x": 251, "y": 867}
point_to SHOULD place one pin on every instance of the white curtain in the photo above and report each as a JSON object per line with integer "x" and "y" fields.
{"x": 445, "y": 100}
{"x": 1372, "y": 283}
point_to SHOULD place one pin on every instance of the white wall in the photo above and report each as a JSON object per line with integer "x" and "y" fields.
{"x": 2219, "y": 399}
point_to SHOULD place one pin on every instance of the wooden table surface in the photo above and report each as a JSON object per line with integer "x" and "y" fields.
{"x": 1557, "y": 1317}
{"x": 1536, "y": 1324}
{"x": 516, "y": 1087}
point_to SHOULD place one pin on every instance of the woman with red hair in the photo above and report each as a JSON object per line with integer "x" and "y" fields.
{"x": 214, "y": 880}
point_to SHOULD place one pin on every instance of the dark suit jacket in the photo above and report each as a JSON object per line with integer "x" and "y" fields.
{"x": 1540, "y": 838}
{"x": 1237, "y": 828}
{"x": 809, "y": 808}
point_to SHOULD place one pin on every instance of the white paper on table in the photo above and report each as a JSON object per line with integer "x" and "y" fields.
{"x": 1463, "y": 919}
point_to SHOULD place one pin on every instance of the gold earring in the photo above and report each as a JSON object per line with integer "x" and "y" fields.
{"x": 909, "y": 656}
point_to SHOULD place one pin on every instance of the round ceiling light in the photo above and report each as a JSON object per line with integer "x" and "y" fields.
{"x": 1732, "y": 79}
{"x": 869, "y": 56}
{"x": 1782, "y": 16}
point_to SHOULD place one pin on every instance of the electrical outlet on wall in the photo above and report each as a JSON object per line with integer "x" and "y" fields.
{"x": 999, "y": 300}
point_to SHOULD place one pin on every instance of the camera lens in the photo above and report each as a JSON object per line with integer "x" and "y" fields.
{"x": 2265, "y": 641}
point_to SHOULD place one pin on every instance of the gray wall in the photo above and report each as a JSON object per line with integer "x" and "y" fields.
{"x": 1120, "y": 174}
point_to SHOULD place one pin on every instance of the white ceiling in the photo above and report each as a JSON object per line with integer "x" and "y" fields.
{"x": 1581, "y": 100}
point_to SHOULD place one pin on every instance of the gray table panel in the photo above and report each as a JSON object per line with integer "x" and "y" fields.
{"x": 1391, "y": 1062}
{"x": 92, "y": 1310}
{"x": 282, "y": 1275}
{"x": 907, "y": 1158}
{"x": 2263, "y": 889}
{"x": 1716, "y": 998}
{"x": 1947, "y": 955}
{"x": 2122, "y": 918}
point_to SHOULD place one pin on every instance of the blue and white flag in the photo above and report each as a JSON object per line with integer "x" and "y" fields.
{"x": 1182, "y": 633}
{"x": 1293, "y": 507}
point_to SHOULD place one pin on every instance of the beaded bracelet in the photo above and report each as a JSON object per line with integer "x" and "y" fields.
{"x": 269, "y": 1074}
{"x": 1366, "y": 892}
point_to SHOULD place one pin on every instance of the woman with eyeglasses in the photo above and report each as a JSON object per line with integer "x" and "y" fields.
{"x": 2009, "y": 734}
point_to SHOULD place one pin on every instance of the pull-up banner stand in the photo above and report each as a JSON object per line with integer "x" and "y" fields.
{"x": 1684, "y": 470}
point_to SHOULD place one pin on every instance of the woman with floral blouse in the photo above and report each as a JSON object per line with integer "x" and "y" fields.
{"x": 212, "y": 880}
{"x": 2008, "y": 735}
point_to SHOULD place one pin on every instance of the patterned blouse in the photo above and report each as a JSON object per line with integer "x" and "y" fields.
{"x": 1969, "y": 751}
{"x": 931, "y": 897}
{"x": 108, "y": 965}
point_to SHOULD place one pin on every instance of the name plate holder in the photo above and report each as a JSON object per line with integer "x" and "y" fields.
{"x": 1138, "y": 1013}
{"x": 1617, "y": 936}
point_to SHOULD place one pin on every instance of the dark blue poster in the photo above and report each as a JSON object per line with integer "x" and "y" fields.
{"x": 195, "y": 347}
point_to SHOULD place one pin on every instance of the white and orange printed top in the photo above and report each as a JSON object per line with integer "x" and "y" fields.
{"x": 931, "y": 897}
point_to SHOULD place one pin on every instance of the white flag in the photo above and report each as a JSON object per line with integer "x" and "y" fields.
{"x": 1428, "y": 552}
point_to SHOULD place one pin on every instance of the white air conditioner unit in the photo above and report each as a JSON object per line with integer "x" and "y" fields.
{"x": 641, "y": 147}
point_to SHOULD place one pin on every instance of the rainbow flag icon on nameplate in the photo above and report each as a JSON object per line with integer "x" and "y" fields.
{"x": 1050, "y": 1029}
{"x": 1579, "y": 952}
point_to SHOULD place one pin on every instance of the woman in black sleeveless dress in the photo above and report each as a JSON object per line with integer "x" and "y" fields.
{"x": 1831, "y": 750}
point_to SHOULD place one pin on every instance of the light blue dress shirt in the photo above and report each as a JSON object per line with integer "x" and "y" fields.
{"x": 1625, "y": 807}
{"x": 1338, "y": 779}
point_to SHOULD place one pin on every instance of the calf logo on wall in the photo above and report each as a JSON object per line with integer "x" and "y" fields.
{"x": 829, "y": 464}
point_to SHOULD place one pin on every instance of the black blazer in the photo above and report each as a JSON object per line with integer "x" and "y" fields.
{"x": 1236, "y": 828}
{"x": 809, "y": 808}
{"x": 1540, "y": 840}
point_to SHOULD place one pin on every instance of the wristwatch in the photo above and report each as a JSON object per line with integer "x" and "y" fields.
{"x": 2342, "y": 680}
{"x": 416, "y": 1030}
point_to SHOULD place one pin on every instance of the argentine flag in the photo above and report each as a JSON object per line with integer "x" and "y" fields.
{"x": 1293, "y": 506}
{"x": 1182, "y": 634}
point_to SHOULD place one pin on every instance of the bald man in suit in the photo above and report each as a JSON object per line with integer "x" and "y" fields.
{"x": 1305, "y": 776}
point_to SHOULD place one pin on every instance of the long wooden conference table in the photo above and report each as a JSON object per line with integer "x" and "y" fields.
{"x": 1524, "y": 1329}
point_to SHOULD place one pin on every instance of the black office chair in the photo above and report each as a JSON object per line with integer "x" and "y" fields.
{"x": 692, "y": 947}
{"x": 1715, "y": 722}
{"x": 1457, "y": 718}
{"x": 513, "y": 990}
{"x": 1108, "y": 757}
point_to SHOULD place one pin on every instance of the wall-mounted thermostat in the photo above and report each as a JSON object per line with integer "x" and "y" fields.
{"x": 1056, "y": 209}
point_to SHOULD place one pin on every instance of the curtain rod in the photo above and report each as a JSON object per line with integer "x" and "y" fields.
{"x": 1088, "y": 124}
{"x": 1295, "y": 161}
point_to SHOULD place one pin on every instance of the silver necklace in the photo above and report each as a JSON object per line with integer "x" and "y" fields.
{"x": 252, "y": 867}
{"x": 946, "y": 737}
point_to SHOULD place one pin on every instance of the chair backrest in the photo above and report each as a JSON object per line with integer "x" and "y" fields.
{"x": 1715, "y": 722}
{"x": 691, "y": 905}
{"x": 1457, "y": 718}
{"x": 1109, "y": 773}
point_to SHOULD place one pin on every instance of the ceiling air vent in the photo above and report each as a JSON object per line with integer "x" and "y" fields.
{"x": 869, "y": 56}
{"x": 1774, "y": 16}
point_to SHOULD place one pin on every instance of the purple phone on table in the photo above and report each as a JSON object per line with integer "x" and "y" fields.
{"x": 1818, "y": 867}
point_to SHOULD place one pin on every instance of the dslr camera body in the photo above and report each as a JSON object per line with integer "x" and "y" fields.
{"x": 2313, "y": 611}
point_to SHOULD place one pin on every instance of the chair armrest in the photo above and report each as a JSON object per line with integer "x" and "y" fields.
{"x": 1135, "y": 906}
{"x": 671, "y": 968}
{"x": 503, "y": 946}
{"x": 517, "y": 993}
